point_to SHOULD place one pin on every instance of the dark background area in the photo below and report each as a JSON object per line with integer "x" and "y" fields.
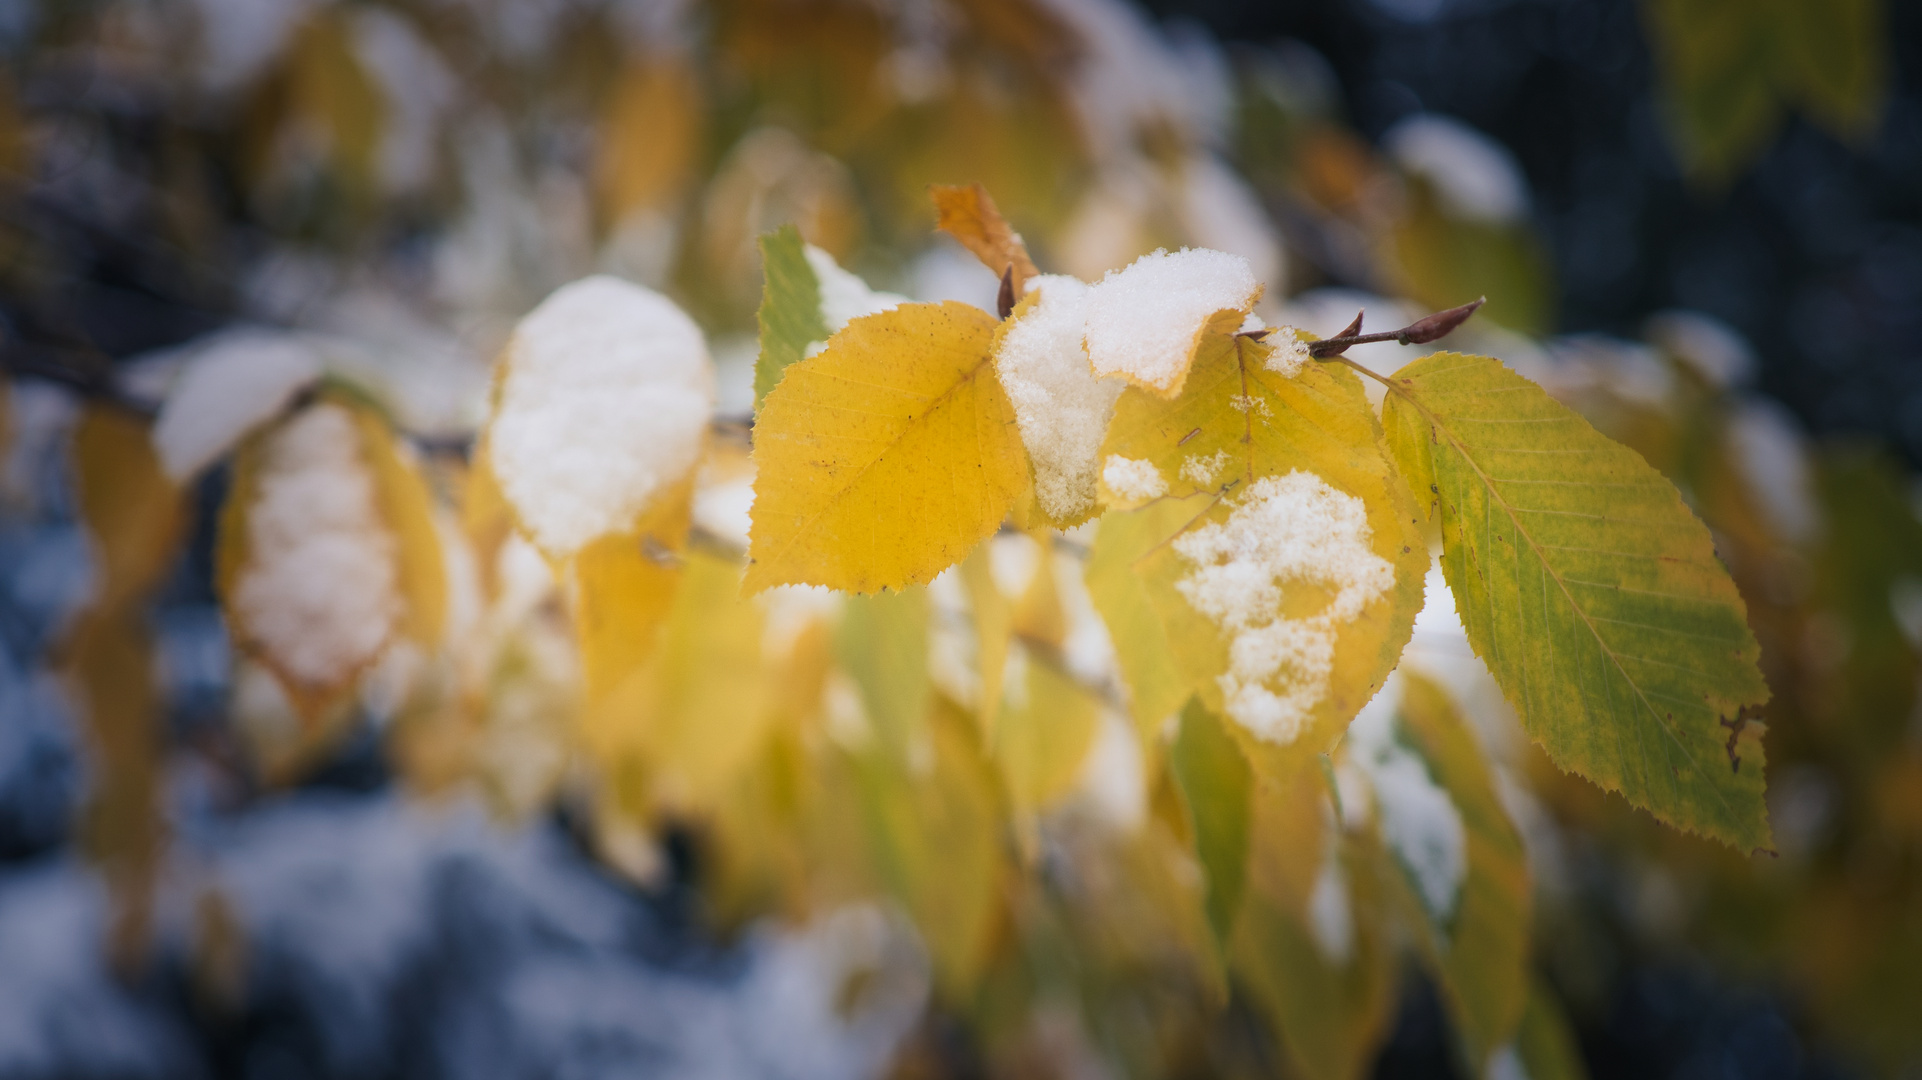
{"x": 1814, "y": 253}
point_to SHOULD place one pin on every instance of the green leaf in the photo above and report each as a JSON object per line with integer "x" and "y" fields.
{"x": 790, "y": 314}
{"x": 1481, "y": 953}
{"x": 1284, "y": 630}
{"x": 1214, "y": 779}
{"x": 882, "y": 644}
{"x": 1592, "y": 593}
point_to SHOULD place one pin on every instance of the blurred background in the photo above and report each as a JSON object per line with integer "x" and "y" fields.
{"x": 1697, "y": 221}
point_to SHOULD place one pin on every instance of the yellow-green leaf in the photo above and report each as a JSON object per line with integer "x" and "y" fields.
{"x": 790, "y": 314}
{"x": 937, "y": 845}
{"x": 1308, "y": 943}
{"x": 884, "y": 459}
{"x": 1288, "y": 596}
{"x": 1214, "y": 781}
{"x": 882, "y": 644}
{"x": 1043, "y": 730}
{"x": 1592, "y": 593}
{"x": 1156, "y": 686}
{"x": 1545, "y": 1046}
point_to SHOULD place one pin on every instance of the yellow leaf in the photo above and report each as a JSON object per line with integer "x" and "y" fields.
{"x": 968, "y": 214}
{"x": 109, "y": 661}
{"x": 884, "y": 459}
{"x": 485, "y": 516}
{"x": 132, "y": 511}
{"x": 707, "y": 710}
{"x": 1308, "y": 941}
{"x": 408, "y": 508}
{"x": 993, "y": 629}
{"x": 622, "y": 588}
{"x": 1287, "y": 597}
{"x": 649, "y": 138}
{"x": 1156, "y": 685}
{"x": 1591, "y": 591}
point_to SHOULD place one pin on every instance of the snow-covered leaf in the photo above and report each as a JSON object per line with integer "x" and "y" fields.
{"x": 1148, "y": 322}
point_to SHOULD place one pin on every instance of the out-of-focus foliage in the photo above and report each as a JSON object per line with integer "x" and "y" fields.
{"x": 1027, "y": 747}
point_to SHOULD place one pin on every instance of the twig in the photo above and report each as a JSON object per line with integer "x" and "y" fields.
{"x": 1420, "y": 332}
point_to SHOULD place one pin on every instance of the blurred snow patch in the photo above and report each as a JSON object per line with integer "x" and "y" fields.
{"x": 1420, "y": 823}
{"x": 1476, "y": 177}
{"x": 1596, "y": 362}
{"x": 1771, "y": 454}
{"x": 229, "y": 383}
{"x": 1710, "y": 346}
{"x": 947, "y": 271}
{"x": 62, "y": 1012}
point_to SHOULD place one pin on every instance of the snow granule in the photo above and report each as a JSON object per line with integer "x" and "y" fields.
{"x": 1248, "y": 403}
{"x": 1419, "y": 821}
{"x": 1203, "y": 470}
{"x": 1133, "y": 479}
{"x": 1285, "y": 529}
{"x": 604, "y": 398}
{"x": 844, "y": 296}
{"x": 1142, "y": 321}
{"x": 318, "y": 594}
{"x": 1061, "y": 409}
{"x": 236, "y": 381}
{"x": 1286, "y": 352}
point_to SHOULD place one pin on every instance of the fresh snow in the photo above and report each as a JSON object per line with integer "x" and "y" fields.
{"x": 605, "y": 394}
{"x": 1419, "y": 821}
{"x": 229, "y": 385}
{"x": 1060, "y": 407}
{"x": 1284, "y": 529}
{"x": 1142, "y": 321}
{"x": 1287, "y": 352}
{"x": 1133, "y": 479}
{"x": 318, "y": 594}
{"x": 844, "y": 296}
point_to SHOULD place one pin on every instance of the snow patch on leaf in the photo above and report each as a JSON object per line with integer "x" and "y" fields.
{"x": 229, "y": 386}
{"x": 1330, "y": 918}
{"x": 1203, "y": 470}
{"x": 1419, "y": 822}
{"x": 1285, "y": 530}
{"x": 844, "y": 296}
{"x": 319, "y": 593}
{"x": 1060, "y": 407}
{"x": 1143, "y": 321}
{"x": 1286, "y": 352}
{"x": 606, "y": 392}
{"x": 1133, "y": 479}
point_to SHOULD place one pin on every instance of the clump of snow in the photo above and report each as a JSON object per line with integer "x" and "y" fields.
{"x": 1287, "y": 352}
{"x": 1767, "y": 445}
{"x": 1331, "y": 919}
{"x": 1142, "y": 321}
{"x": 1475, "y": 176}
{"x": 1133, "y": 479}
{"x": 1283, "y": 530}
{"x": 229, "y": 385}
{"x": 1419, "y": 821}
{"x": 844, "y": 296}
{"x": 319, "y": 591}
{"x": 1203, "y": 470}
{"x": 1061, "y": 409}
{"x": 604, "y": 397}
